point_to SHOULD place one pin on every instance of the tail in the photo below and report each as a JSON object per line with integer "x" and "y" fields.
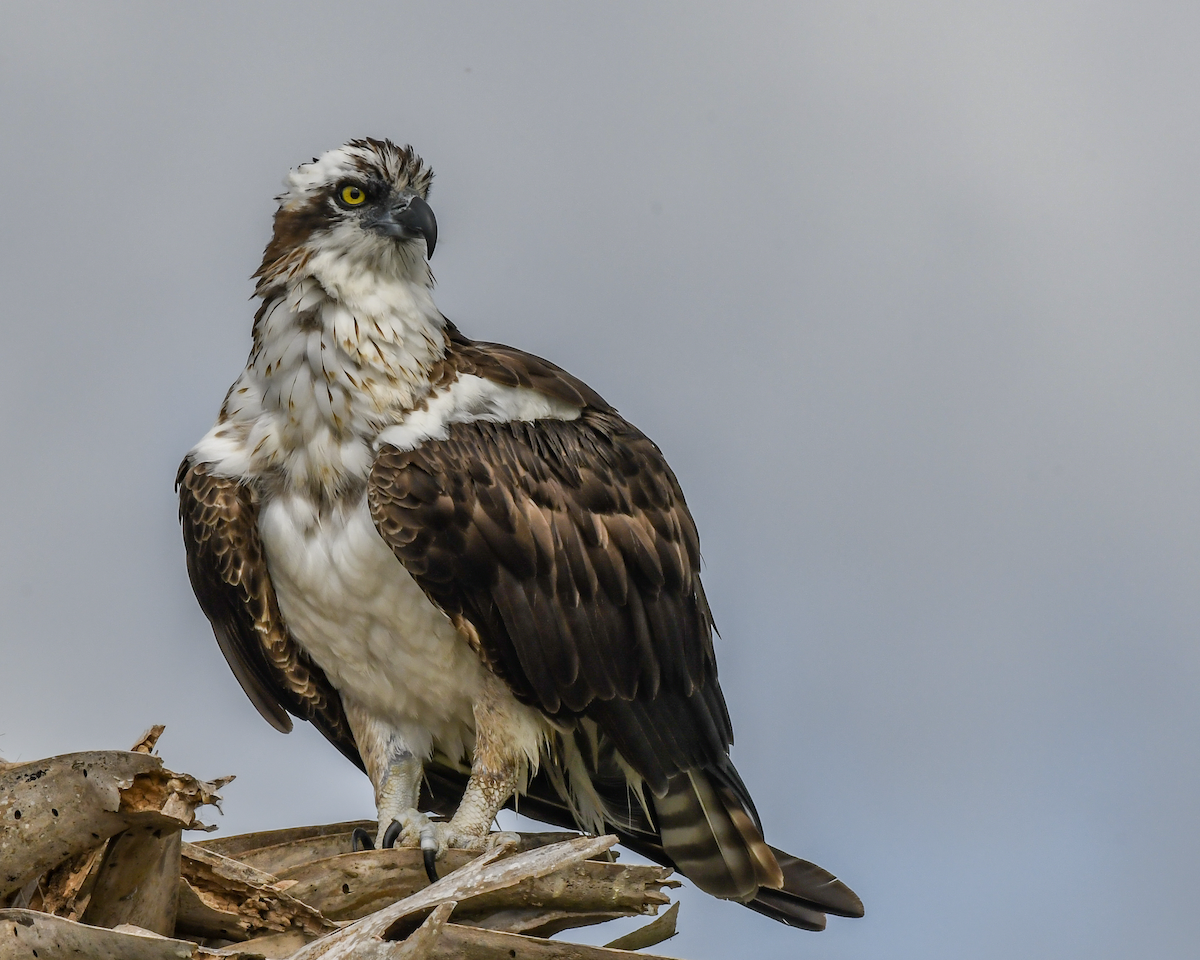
{"x": 713, "y": 836}
{"x": 705, "y": 826}
{"x": 711, "y": 832}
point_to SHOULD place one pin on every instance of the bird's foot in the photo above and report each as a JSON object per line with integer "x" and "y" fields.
{"x": 409, "y": 828}
{"x": 415, "y": 829}
{"x": 450, "y": 838}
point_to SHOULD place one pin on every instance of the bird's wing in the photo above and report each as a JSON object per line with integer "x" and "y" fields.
{"x": 229, "y": 575}
{"x": 567, "y": 550}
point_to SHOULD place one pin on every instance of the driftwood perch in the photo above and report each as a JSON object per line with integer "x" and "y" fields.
{"x": 92, "y": 864}
{"x": 57, "y": 808}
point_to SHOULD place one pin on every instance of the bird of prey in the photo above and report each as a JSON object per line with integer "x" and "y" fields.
{"x": 460, "y": 563}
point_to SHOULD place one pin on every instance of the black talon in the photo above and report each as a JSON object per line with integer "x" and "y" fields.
{"x": 391, "y": 834}
{"x": 361, "y": 840}
{"x": 430, "y": 857}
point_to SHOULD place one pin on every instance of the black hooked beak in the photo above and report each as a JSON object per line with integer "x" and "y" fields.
{"x": 408, "y": 218}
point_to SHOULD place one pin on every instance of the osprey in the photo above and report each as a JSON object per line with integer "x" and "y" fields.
{"x": 460, "y": 563}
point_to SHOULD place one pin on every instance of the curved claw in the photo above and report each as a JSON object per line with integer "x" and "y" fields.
{"x": 429, "y": 850}
{"x": 361, "y": 840}
{"x": 392, "y": 834}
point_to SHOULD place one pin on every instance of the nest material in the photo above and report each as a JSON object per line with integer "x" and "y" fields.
{"x": 93, "y": 864}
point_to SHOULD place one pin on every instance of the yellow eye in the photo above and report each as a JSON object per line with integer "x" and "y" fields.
{"x": 353, "y": 195}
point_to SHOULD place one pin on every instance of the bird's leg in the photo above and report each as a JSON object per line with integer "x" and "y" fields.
{"x": 495, "y": 767}
{"x": 400, "y": 823}
{"x": 395, "y": 772}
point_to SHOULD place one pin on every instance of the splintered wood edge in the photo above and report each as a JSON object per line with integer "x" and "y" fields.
{"x": 212, "y": 875}
{"x": 148, "y": 740}
{"x": 54, "y": 809}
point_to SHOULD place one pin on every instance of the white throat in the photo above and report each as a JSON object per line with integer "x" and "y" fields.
{"x": 339, "y": 354}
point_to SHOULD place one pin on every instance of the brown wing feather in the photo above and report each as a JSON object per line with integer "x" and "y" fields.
{"x": 569, "y": 547}
{"x": 229, "y": 576}
{"x": 516, "y": 368}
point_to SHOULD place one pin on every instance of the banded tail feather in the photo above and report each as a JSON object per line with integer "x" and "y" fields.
{"x": 805, "y": 894}
{"x": 713, "y": 840}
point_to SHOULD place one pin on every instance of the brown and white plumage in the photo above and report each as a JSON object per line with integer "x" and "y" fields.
{"x": 459, "y": 561}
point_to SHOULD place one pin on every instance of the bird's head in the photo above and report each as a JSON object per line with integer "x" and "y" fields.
{"x": 359, "y": 207}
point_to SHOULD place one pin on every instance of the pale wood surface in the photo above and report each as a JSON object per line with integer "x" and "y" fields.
{"x": 24, "y": 931}
{"x": 97, "y": 855}
{"x": 351, "y": 885}
{"x": 323, "y": 840}
{"x": 656, "y": 931}
{"x": 480, "y": 877}
{"x": 138, "y": 881}
{"x": 54, "y": 809}
{"x": 457, "y": 942}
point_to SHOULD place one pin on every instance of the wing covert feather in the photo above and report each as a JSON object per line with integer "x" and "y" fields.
{"x": 568, "y": 546}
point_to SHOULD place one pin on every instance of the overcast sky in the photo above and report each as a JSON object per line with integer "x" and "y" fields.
{"x": 907, "y": 294}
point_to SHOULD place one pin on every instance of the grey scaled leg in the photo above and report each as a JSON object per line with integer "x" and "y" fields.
{"x": 395, "y": 773}
{"x": 502, "y": 729}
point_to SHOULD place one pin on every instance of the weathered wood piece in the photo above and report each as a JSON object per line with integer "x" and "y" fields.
{"x": 457, "y": 942}
{"x": 221, "y": 898}
{"x": 138, "y": 881}
{"x": 436, "y": 939}
{"x": 278, "y": 851}
{"x": 295, "y": 844}
{"x": 67, "y": 889}
{"x": 577, "y": 895}
{"x": 351, "y": 885}
{"x": 655, "y": 932}
{"x": 414, "y": 947}
{"x": 54, "y": 809}
{"x": 25, "y": 934}
{"x": 28, "y": 934}
{"x": 480, "y": 877}
{"x": 625, "y": 889}
{"x": 274, "y": 946}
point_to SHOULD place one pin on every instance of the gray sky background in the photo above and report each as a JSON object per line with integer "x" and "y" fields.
{"x": 907, "y": 293}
